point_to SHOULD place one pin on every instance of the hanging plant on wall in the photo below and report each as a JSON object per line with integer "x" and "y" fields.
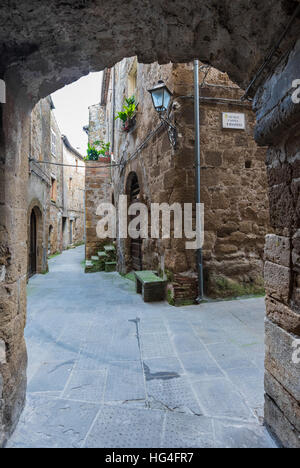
{"x": 94, "y": 154}
{"x": 128, "y": 114}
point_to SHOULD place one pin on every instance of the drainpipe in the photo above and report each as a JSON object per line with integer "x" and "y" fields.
{"x": 113, "y": 114}
{"x": 199, "y": 255}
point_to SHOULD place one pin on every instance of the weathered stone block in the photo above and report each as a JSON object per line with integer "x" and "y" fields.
{"x": 277, "y": 281}
{"x": 278, "y": 250}
{"x": 280, "y": 425}
{"x": 226, "y": 249}
{"x": 279, "y": 358}
{"x": 283, "y": 316}
{"x": 285, "y": 402}
{"x": 213, "y": 158}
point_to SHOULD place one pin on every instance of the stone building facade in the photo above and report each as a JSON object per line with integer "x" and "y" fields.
{"x": 233, "y": 176}
{"x": 73, "y": 216}
{"x": 55, "y": 190}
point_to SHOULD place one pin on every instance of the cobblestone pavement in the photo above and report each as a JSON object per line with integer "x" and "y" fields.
{"x": 107, "y": 370}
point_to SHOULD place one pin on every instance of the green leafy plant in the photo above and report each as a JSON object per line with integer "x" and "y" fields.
{"x": 128, "y": 110}
{"x": 93, "y": 154}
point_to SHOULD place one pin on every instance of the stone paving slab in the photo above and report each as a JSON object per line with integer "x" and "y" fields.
{"x": 157, "y": 345}
{"x": 185, "y": 431}
{"x": 107, "y": 370}
{"x": 173, "y": 394}
{"x": 53, "y": 423}
{"x": 201, "y": 366}
{"x": 220, "y": 398}
{"x": 86, "y": 386}
{"x": 51, "y": 376}
{"x": 126, "y": 428}
{"x": 125, "y": 382}
{"x": 230, "y": 434}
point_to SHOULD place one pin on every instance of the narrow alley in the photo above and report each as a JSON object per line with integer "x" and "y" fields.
{"x": 107, "y": 370}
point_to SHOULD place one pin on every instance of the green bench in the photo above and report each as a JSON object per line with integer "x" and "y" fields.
{"x": 151, "y": 286}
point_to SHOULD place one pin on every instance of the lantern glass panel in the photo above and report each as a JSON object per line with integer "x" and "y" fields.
{"x": 157, "y": 97}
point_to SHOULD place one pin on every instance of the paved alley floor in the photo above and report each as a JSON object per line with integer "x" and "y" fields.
{"x": 107, "y": 370}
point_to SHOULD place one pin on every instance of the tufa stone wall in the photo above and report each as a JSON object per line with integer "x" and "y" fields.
{"x": 39, "y": 183}
{"x": 13, "y": 258}
{"x": 278, "y": 121}
{"x": 73, "y": 196}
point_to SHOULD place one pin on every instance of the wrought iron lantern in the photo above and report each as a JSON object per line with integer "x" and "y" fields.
{"x": 161, "y": 98}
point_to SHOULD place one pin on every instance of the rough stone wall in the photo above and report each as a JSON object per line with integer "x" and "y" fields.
{"x": 278, "y": 122}
{"x": 233, "y": 182}
{"x": 97, "y": 190}
{"x": 89, "y": 35}
{"x": 233, "y": 179}
{"x": 39, "y": 182}
{"x": 74, "y": 195}
{"x": 56, "y": 206}
{"x": 97, "y": 127}
{"x": 13, "y": 256}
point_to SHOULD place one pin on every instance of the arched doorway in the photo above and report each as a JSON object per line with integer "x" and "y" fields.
{"x": 135, "y": 244}
{"x": 32, "y": 265}
{"x": 50, "y": 239}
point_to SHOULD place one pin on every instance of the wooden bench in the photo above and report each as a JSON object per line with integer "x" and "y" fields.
{"x": 151, "y": 286}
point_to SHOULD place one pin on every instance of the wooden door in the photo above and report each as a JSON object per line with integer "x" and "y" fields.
{"x": 33, "y": 245}
{"x": 136, "y": 244}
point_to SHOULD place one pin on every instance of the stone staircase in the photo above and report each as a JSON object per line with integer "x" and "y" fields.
{"x": 105, "y": 260}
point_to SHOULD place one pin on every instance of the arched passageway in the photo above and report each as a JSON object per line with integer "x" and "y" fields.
{"x": 38, "y": 58}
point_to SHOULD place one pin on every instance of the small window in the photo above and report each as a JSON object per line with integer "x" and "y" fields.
{"x": 53, "y": 190}
{"x": 248, "y": 164}
{"x": 70, "y": 183}
{"x": 53, "y": 143}
{"x": 132, "y": 80}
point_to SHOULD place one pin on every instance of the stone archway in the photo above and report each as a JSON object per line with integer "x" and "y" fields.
{"x": 38, "y": 58}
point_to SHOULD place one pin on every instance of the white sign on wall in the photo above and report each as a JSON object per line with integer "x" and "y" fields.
{"x": 234, "y": 121}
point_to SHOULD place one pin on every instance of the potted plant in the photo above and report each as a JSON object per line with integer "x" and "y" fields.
{"x": 128, "y": 114}
{"x": 94, "y": 154}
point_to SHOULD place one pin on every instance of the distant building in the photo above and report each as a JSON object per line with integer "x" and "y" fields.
{"x": 55, "y": 191}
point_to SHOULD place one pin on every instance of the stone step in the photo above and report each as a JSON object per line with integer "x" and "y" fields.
{"x": 110, "y": 248}
{"x": 102, "y": 254}
{"x": 110, "y": 266}
{"x": 90, "y": 267}
{"x": 95, "y": 258}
